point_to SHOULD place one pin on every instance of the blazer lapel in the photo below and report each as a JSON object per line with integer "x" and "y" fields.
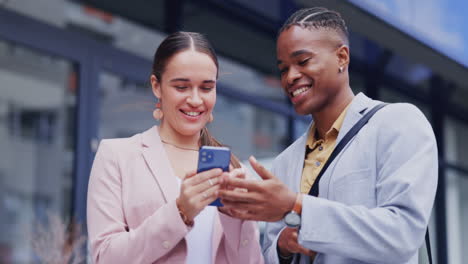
{"x": 159, "y": 164}
{"x": 297, "y": 162}
{"x": 358, "y": 107}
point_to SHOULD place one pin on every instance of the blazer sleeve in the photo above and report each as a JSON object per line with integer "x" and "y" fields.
{"x": 243, "y": 246}
{"x": 406, "y": 182}
{"x": 111, "y": 239}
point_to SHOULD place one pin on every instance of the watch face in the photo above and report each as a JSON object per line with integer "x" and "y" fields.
{"x": 292, "y": 219}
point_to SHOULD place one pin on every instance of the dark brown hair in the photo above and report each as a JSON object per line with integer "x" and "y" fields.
{"x": 178, "y": 42}
{"x": 318, "y": 17}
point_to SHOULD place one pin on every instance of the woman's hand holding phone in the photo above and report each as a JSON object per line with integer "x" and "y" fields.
{"x": 197, "y": 191}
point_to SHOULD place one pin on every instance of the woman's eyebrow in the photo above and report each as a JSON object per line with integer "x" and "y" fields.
{"x": 188, "y": 80}
{"x": 180, "y": 80}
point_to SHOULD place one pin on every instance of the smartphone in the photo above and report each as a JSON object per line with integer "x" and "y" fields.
{"x": 214, "y": 157}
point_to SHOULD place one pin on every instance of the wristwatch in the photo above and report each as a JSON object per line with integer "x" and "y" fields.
{"x": 293, "y": 219}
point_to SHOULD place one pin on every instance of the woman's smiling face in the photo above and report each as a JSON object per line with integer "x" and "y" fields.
{"x": 187, "y": 91}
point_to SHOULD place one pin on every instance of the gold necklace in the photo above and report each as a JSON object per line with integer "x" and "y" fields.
{"x": 174, "y": 145}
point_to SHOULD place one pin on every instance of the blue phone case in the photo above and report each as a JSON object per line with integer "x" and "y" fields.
{"x": 214, "y": 157}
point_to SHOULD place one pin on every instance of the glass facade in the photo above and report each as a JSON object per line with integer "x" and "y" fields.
{"x": 263, "y": 132}
{"x": 456, "y": 137}
{"x": 37, "y": 135}
{"x": 126, "y": 107}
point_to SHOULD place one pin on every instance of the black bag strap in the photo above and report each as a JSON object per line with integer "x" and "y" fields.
{"x": 314, "y": 191}
{"x": 428, "y": 246}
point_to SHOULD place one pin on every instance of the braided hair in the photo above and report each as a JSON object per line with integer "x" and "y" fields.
{"x": 317, "y": 18}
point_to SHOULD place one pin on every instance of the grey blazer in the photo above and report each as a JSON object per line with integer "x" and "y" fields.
{"x": 375, "y": 198}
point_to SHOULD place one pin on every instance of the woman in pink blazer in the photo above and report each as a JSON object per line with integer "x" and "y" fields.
{"x": 146, "y": 203}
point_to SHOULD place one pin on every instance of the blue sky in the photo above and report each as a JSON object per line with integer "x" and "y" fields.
{"x": 441, "y": 24}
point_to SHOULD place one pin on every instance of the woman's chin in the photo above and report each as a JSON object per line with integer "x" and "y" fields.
{"x": 190, "y": 129}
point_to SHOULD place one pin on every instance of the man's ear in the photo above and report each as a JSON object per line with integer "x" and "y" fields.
{"x": 155, "y": 86}
{"x": 342, "y": 54}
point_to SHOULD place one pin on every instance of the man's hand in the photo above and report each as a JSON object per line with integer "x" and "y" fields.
{"x": 267, "y": 200}
{"x": 235, "y": 173}
{"x": 287, "y": 244}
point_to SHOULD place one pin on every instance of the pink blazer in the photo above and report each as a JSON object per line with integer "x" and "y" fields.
{"x": 132, "y": 216}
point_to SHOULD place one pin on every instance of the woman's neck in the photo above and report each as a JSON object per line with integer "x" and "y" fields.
{"x": 171, "y": 136}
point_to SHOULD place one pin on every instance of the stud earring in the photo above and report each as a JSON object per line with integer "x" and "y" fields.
{"x": 157, "y": 113}
{"x": 340, "y": 70}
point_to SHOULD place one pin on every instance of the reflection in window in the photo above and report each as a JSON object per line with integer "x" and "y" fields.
{"x": 37, "y": 103}
{"x": 247, "y": 129}
{"x": 390, "y": 96}
{"x": 126, "y": 107}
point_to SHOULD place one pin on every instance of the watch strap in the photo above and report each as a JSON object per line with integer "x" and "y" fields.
{"x": 297, "y": 208}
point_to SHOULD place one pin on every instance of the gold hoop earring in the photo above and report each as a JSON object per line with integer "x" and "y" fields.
{"x": 158, "y": 113}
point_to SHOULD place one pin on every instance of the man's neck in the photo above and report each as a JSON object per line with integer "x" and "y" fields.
{"x": 324, "y": 119}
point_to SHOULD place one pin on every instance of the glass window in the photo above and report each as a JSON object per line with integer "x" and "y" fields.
{"x": 410, "y": 72}
{"x": 459, "y": 97}
{"x": 357, "y": 82}
{"x": 456, "y": 142}
{"x": 126, "y": 107}
{"x": 37, "y": 113}
{"x": 391, "y": 96}
{"x": 456, "y": 149}
{"x": 248, "y": 80}
{"x": 463, "y": 218}
{"x": 457, "y": 214}
{"x": 248, "y": 130}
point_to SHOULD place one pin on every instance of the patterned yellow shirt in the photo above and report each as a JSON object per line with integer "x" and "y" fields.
{"x": 321, "y": 151}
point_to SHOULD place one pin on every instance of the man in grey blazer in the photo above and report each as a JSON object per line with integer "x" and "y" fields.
{"x": 375, "y": 198}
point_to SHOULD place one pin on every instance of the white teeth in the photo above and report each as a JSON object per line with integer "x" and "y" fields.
{"x": 192, "y": 113}
{"x": 299, "y": 91}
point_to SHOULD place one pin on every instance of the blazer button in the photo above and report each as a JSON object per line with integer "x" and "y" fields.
{"x": 245, "y": 242}
{"x": 166, "y": 244}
